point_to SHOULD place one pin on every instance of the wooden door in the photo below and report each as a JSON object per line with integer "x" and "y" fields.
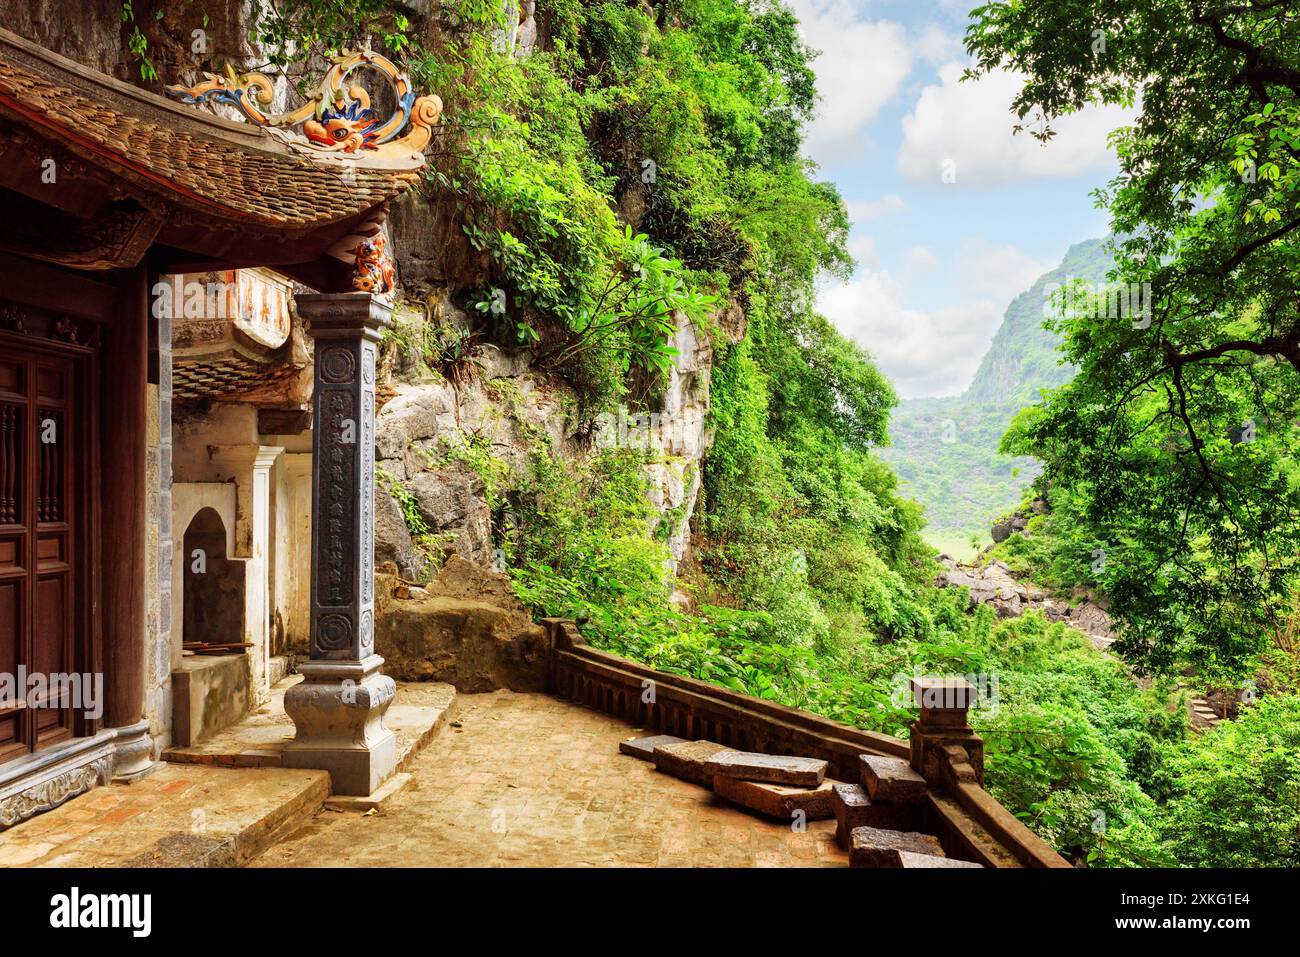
{"x": 41, "y": 607}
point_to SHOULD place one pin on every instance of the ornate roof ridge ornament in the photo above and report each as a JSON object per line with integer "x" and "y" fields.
{"x": 337, "y": 117}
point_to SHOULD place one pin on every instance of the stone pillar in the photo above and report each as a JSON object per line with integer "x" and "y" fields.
{"x": 251, "y": 467}
{"x": 339, "y": 706}
{"x": 298, "y": 482}
{"x": 941, "y": 724}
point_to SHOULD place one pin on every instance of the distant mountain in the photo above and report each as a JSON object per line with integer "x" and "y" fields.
{"x": 945, "y": 451}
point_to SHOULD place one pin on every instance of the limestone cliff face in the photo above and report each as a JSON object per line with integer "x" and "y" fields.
{"x": 89, "y": 32}
{"x": 508, "y": 407}
{"x": 465, "y": 626}
{"x": 504, "y": 405}
{"x": 181, "y": 37}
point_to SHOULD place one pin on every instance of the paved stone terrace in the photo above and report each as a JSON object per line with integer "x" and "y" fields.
{"x": 178, "y": 816}
{"x": 529, "y": 780}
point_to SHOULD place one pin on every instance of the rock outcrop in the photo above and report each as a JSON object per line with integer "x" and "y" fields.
{"x": 452, "y": 500}
{"x": 465, "y": 628}
{"x": 993, "y": 583}
{"x": 1008, "y": 525}
{"x": 422, "y": 428}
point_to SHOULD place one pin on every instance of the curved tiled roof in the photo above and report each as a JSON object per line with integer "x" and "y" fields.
{"x": 221, "y": 169}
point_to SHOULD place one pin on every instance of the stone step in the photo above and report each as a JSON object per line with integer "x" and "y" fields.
{"x": 879, "y": 847}
{"x": 369, "y": 802}
{"x": 853, "y": 808}
{"x": 687, "y": 760}
{"x": 416, "y": 715}
{"x": 891, "y": 779}
{"x": 177, "y": 816}
{"x": 908, "y": 859}
{"x": 769, "y": 768}
{"x": 777, "y": 800}
{"x": 644, "y": 748}
{"x": 1202, "y": 714}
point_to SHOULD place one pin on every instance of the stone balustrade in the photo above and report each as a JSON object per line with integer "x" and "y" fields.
{"x": 969, "y": 824}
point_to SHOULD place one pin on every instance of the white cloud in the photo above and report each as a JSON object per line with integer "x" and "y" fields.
{"x": 936, "y": 46}
{"x": 861, "y": 68}
{"x": 918, "y": 261}
{"x": 923, "y": 353}
{"x": 931, "y": 352}
{"x": 1000, "y": 273}
{"x": 863, "y": 249}
{"x": 971, "y": 125}
{"x": 865, "y": 210}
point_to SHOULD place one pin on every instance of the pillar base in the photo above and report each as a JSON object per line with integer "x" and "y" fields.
{"x": 338, "y": 710}
{"x": 133, "y": 753}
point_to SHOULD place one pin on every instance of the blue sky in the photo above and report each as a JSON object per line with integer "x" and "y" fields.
{"x": 954, "y": 215}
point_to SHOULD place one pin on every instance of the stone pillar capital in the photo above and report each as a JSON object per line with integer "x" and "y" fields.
{"x": 247, "y": 455}
{"x": 347, "y": 315}
{"x": 266, "y": 456}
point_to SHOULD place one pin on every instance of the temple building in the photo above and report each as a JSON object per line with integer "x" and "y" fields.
{"x": 156, "y": 421}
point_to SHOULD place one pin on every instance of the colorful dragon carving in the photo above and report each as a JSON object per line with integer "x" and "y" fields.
{"x": 336, "y": 118}
{"x": 374, "y": 269}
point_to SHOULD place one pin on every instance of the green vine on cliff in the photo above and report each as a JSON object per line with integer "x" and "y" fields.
{"x": 136, "y": 41}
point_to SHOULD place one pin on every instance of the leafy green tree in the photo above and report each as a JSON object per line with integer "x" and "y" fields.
{"x": 1176, "y": 435}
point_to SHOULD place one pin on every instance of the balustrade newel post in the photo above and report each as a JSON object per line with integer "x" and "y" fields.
{"x": 943, "y": 724}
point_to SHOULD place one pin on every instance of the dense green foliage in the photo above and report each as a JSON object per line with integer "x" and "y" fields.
{"x": 799, "y": 518}
{"x": 1234, "y": 795}
{"x": 1176, "y": 436}
{"x": 1073, "y": 742}
{"x": 690, "y": 130}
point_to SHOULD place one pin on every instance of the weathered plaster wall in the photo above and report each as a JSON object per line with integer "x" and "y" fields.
{"x": 189, "y": 498}
{"x": 266, "y": 504}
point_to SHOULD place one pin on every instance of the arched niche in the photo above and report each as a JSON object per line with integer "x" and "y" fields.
{"x": 213, "y": 585}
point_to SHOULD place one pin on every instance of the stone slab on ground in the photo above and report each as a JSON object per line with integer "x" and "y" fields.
{"x": 853, "y": 807}
{"x": 177, "y": 816}
{"x": 353, "y": 802}
{"x": 777, "y": 800}
{"x": 687, "y": 760}
{"x": 644, "y": 748}
{"x": 417, "y": 713}
{"x": 908, "y": 859}
{"x": 769, "y": 768}
{"x": 875, "y": 847}
{"x": 891, "y": 779}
